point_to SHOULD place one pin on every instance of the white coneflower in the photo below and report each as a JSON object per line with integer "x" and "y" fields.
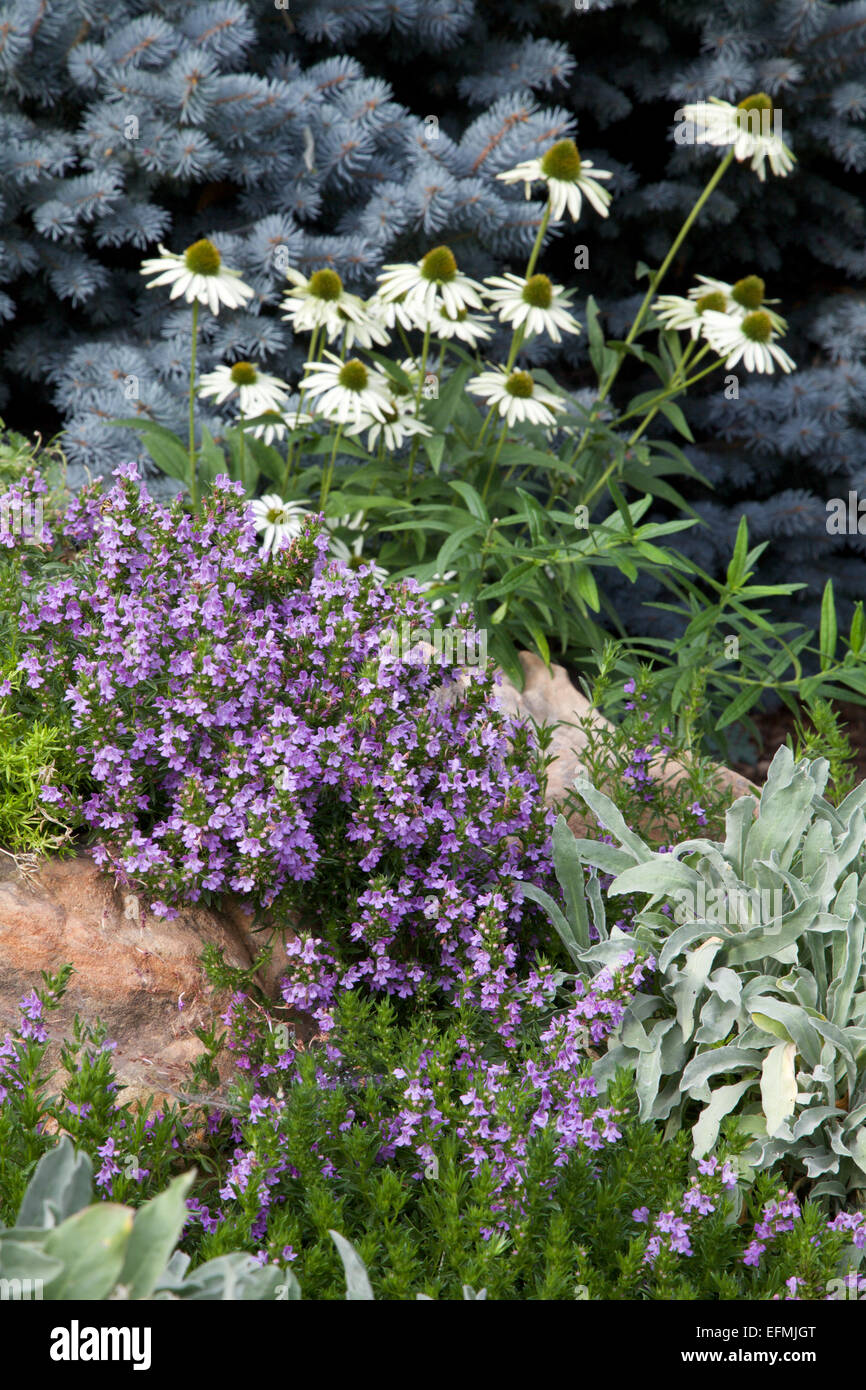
{"x": 433, "y": 582}
{"x": 257, "y": 392}
{"x": 470, "y": 329}
{"x": 516, "y": 396}
{"x": 535, "y": 303}
{"x": 745, "y": 296}
{"x": 687, "y": 314}
{"x": 569, "y": 179}
{"x": 322, "y": 302}
{"x": 352, "y": 555}
{"x": 399, "y": 425}
{"x": 278, "y": 424}
{"x": 752, "y": 338}
{"x": 279, "y": 521}
{"x": 432, "y": 283}
{"x": 348, "y": 392}
{"x": 200, "y": 276}
{"x": 747, "y": 128}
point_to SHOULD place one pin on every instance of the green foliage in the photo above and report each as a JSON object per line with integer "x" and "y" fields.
{"x": 340, "y": 1221}
{"x": 81, "y": 1251}
{"x": 761, "y": 987}
{"x": 33, "y": 754}
{"x": 824, "y": 736}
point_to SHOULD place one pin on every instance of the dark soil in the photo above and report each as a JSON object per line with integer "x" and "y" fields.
{"x": 774, "y": 726}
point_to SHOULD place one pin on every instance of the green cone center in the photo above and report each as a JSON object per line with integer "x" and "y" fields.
{"x": 751, "y": 115}
{"x": 758, "y": 101}
{"x": 520, "y": 384}
{"x": 757, "y": 327}
{"x": 715, "y": 300}
{"x": 439, "y": 265}
{"x": 325, "y": 284}
{"x": 353, "y": 375}
{"x": 538, "y": 291}
{"x": 749, "y": 292}
{"x": 202, "y": 258}
{"x": 244, "y": 374}
{"x": 562, "y": 161}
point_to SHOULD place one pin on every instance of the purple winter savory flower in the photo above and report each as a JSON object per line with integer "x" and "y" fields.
{"x": 244, "y": 725}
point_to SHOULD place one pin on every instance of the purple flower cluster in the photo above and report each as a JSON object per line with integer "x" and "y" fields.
{"x": 245, "y": 735}
{"x": 775, "y": 1218}
{"x": 31, "y": 1028}
{"x": 700, "y": 1199}
{"x": 495, "y": 1109}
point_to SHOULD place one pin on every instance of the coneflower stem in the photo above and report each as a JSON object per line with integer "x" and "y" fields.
{"x": 193, "y": 486}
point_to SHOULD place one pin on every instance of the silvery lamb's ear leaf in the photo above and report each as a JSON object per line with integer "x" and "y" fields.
{"x": 660, "y": 875}
{"x": 800, "y": 986}
{"x": 559, "y": 921}
{"x": 738, "y": 821}
{"x": 847, "y": 965}
{"x": 648, "y": 1071}
{"x": 787, "y": 1021}
{"x": 809, "y": 1120}
{"x": 845, "y": 901}
{"x": 357, "y": 1282}
{"x": 851, "y": 843}
{"x": 60, "y": 1187}
{"x": 605, "y": 857}
{"x": 711, "y": 1063}
{"x": 682, "y": 938}
{"x": 760, "y": 943}
{"x": 596, "y": 905}
{"x": 817, "y": 845}
{"x": 779, "y": 1085}
{"x": 854, "y": 801}
{"x": 717, "y": 1018}
{"x": 722, "y": 1101}
{"x": 726, "y": 984}
{"x": 611, "y": 818}
{"x": 569, "y": 873}
{"x": 785, "y": 810}
{"x": 687, "y": 983}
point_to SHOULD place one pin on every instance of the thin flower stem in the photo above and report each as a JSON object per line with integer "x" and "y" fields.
{"x": 329, "y": 472}
{"x": 421, "y": 375}
{"x": 666, "y": 395}
{"x": 604, "y": 391}
{"x": 493, "y": 460}
{"x": 193, "y": 481}
{"x": 290, "y": 450}
{"x": 531, "y": 263}
{"x": 481, "y": 433}
{"x": 639, "y": 431}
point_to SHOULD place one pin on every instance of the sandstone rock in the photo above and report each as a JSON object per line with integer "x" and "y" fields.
{"x": 548, "y": 697}
{"x": 137, "y": 973}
